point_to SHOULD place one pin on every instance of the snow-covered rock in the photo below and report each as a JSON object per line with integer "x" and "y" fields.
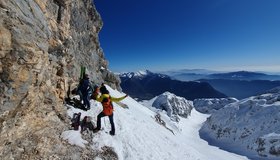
{"x": 252, "y": 124}
{"x": 174, "y": 106}
{"x": 211, "y": 104}
{"x": 269, "y": 143}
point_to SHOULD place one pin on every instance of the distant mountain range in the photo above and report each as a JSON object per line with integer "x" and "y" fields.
{"x": 244, "y": 75}
{"x": 240, "y": 84}
{"x": 190, "y": 75}
{"x": 146, "y": 85}
{"x": 241, "y": 88}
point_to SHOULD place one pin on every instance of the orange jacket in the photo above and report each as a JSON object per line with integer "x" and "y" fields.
{"x": 107, "y": 106}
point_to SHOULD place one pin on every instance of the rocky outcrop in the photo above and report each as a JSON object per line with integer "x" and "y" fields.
{"x": 43, "y": 43}
{"x": 175, "y": 106}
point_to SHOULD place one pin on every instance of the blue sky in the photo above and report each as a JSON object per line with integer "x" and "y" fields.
{"x": 187, "y": 34}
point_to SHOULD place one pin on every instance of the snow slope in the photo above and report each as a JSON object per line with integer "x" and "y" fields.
{"x": 139, "y": 136}
{"x": 252, "y": 124}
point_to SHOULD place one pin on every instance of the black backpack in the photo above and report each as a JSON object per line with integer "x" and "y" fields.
{"x": 76, "y": 120}
{"x": 86, "y": 124}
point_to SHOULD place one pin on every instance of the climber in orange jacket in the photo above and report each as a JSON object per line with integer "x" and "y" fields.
{"x": 107, "y": 104}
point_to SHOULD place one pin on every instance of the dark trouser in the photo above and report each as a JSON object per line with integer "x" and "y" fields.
{"x": 86, "y": 101}
{"x": 111, "y": 121}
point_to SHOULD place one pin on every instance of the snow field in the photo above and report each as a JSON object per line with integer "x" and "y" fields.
{"x": 139, "y": 136}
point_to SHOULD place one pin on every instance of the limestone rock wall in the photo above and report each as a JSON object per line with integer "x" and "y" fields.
{"x": 43, "y": 43}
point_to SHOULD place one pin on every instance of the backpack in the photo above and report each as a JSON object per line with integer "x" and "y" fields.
{"x": 107, "y": 106}
{"x": 86, "y": 124}
{"x": 76, "y": 121}
{"x": 95, "y": 93}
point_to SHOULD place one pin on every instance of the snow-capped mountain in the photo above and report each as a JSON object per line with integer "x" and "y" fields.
{"x": 210, "y": 105}
{"x": 250, "y": 126}
{"x": 147, "y": 85}
{"x": 174, "y": 106}
{"x": 139, "y": 74}
{"x": 144, "y": 133}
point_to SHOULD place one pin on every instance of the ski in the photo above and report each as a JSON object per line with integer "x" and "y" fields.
{"x": 122, "y": 105}
{"x": 83, "y": 72}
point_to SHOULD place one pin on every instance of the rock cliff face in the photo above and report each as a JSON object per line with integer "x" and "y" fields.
{"x": 43, "y": 43}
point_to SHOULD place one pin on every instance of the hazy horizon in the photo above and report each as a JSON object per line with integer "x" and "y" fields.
{"x": 197, "y": 70}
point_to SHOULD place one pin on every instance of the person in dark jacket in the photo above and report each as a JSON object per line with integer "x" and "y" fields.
{"x": 85, "y": 91}
{"x": 103, "y": 89}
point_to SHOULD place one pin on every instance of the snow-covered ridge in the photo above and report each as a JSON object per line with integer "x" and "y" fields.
{"x": 252, "y": 124}
{"x": 175, "y": 106}
{"x": 140, "y": 74}
{"x": 210, "y": 105}
{"x": 135, "y": 74}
